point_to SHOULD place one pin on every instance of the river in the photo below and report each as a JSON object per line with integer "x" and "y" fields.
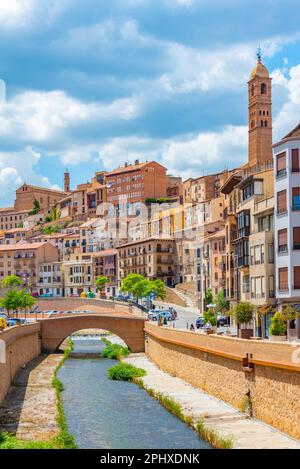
{"x": 110, "y": 414}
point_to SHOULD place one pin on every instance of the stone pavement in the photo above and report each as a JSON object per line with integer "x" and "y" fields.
{"x": 247, "y": 433}
{"x": 30, "y": 408}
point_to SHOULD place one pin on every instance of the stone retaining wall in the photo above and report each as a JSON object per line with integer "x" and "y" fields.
{"x": 214, "y": 364}
{"x": 18, "y": 346}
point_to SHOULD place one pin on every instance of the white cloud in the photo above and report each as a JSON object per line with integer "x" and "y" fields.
{"x": 191, "y": 156}
{"x": 289, "y": 115}
{"x": 19, "y": 167}
{"x": 36, "y": 116}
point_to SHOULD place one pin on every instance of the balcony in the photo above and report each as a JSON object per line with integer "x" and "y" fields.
{"x": 281, "y": 173}
{"x": 282, "y": 211}
{"x": 283, "y": 249}
{"x": 283, "y": 288}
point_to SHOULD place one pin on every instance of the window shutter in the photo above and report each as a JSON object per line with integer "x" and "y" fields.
{"x": 281, "y": 162}
{"x": 296, "y": 234}
{"x": 281, "y": 201}
{"x": 295, "y": 160}
{"x": 282, "y": 237}
{"x": 283, "y": 278}
{"x": 297, "y": 278}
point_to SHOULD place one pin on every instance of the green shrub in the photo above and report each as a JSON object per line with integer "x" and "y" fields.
{"x": 278, "y": 325}
{"x": 114, "y": 351}
{"x": 125, "y": 372}
{"x": 244, "y": 312}
{"x": 209, "y": 316}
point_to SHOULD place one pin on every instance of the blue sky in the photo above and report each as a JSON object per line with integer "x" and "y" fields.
{"x": 91, "y": 84}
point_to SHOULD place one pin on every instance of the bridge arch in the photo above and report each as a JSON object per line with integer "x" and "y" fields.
{"x": 55, "y": 330}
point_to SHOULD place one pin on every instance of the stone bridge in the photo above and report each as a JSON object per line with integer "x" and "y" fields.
{"x": 129, "y": 327}
{"x": 91, "y": 304}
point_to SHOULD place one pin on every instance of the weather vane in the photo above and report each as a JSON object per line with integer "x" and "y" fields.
{"x": 259, "y": 53}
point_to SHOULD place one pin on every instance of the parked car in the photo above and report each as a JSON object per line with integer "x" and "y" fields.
{"x": 222, "y": 321}
{"x": 19, "y": 321}
{"x": 121, "y": 297}
{"x": 160, "y": 314}
{"x": 200, "y": 322}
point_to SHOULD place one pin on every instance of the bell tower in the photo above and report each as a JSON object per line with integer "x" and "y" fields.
{"x": 66, "y": 181}
{"x": 260, "y": 114}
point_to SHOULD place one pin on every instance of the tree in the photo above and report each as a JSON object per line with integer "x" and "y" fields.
{"x": 129, "y": 282}
{"x": 278, "y": 325}
{"x": 158, "y": 288}
{"x": 208, "y": 297}
{"x": 209, "y": 316}
{"x": 243, "y": 312}
{"x": 36, "y": 207}
{"x": 10, "y": 301}
{"x": 11, "y": 281}
{"x": 221, "y": 303}
{"x": 55, "y": 213}
{"x": 101, "y": 282}
{"x": 25, "y": 300}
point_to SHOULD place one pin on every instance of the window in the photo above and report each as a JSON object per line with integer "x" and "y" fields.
{"x": 271, "y": 286}
{"x": 283, "y": 279}
{"x": 295, "y": 160}
{"x": 263, "y": 88}
{"x": 281, "y": 202}
{"x": 297, "y": 277}
{"x": 281, "y": 164}
{"x": 296, "y": 237}
{"x": 296, "y": 198}
{"x": 257, "y": 254}
{"x": 282, "y": 240}
{"x": 271, "y": 253}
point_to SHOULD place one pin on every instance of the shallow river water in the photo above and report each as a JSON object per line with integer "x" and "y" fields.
{"x": 110, "y": 414}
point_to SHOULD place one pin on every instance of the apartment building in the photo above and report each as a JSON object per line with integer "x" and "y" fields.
{"x": 105, "y": 264}
{"x": 11, "y": 219}
{"x": 81, "y": 203}
{"x": 287, "y": 221}
{"x": 50, "y": 279}
{"x": 130, "y": 185}
{"x": 23, "y": 260}
{"x": 13, "y": 236}
{"x": 152, "y": 257}
{"x": 78, "y": 274}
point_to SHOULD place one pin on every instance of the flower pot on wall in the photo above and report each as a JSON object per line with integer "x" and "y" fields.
{"x": 245, "y": 333}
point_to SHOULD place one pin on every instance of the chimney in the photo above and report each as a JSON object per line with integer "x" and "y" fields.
{"x": 67, "y": 181}
{"x": 126, "y": 164}
{"x": 136, "y": 162}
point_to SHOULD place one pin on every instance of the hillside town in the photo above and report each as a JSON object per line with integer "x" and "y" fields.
{"x": 236, "y": 231}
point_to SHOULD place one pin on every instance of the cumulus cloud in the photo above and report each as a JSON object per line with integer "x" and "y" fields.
{"x": 288, "y": 116}
{"x": 200, "y": 153}
{"x": 36, "y": 116}
{"x": 19, "y": 167}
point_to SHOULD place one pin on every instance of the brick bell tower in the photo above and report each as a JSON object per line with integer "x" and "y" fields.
{"x": 260, "y": 114}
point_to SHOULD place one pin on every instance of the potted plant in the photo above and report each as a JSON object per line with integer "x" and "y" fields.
{"x": 278, "y": 327}
{"x": 243, "y": 313}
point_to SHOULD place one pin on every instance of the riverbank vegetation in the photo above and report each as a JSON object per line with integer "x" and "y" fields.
{"x": 63, "y": 440}
{"x": 211, "y": 436}
{"x": 114, "y": 351}
{"x": 125, "y": 372}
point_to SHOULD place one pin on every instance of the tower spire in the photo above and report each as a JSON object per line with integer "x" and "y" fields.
{"x": 259, "y": 54}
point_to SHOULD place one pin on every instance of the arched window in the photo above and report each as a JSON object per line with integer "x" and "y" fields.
{"x": 261, "y": 123}
{"x": 252, "y": 90}
{"x": 263, "y": 88}
{"x": 266, "y": 124}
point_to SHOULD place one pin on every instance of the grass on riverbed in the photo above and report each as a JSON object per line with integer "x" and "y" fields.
{"x": 63, "y": 440}
{"x": 210, "y": 436}
{"x": 125, "y": 372}
{"x": 213, "y": 437}
{"x": 114, "y": 351}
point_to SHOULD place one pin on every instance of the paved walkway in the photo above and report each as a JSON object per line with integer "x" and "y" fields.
{"x": 30, "y": 408}
{"x": 247, "y": 433}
